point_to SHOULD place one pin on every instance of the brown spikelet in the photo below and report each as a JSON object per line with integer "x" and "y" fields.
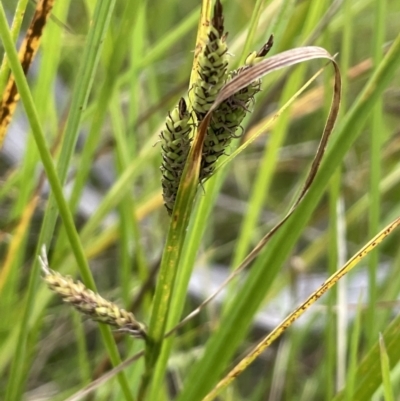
{"x": 90, "y": 303}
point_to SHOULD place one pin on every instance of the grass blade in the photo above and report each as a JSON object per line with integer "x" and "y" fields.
{"x": 385, "y": 366}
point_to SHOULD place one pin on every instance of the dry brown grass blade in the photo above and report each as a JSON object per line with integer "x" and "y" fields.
{"x": 265, "y": 67}
{"x": 27, "y": 53}
{"x": 310, "y": 101}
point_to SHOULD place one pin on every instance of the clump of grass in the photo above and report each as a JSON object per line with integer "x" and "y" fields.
{"x": 293, "y": 23}
{"x": 89, "y": 303}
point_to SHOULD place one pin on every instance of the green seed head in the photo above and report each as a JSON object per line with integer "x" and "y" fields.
{"x": 212, "y": 64}
{"x": 175, "y": 145}
{"x": 229, "y": 115}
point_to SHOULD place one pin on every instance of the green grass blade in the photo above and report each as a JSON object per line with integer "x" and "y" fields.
{"x": 377, "y": 137}
{"x": 385, "y": 366}
{"x": 169, "y": 266}
{"x": 196, "y": 231}
{"x": 353, "y": 349}
{"x": 106, "y": 92}
{"x": 368, "y": 376}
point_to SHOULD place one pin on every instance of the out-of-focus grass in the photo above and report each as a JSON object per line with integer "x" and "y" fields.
{"x": 145, "y": 64}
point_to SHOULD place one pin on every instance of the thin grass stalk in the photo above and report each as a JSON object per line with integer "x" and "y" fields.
{"x": 342, "y": 314}
{"x": 377, "y": 137}
{"x": 385, "y": 365}
{"x": 136, "y": 100}
{"x": 196, "y": 229}
{"x": 49, "y": 63}
{"x": 391, "y": 289}
{"x": 255, "y": 17}
{"x": 353, "y": 349}
{"x": 280, "y": 370}
{"x": 331, "y": 320}
{"x": 124, "y": 209}
{"x": 82, "y": 357}
{"x": 334, "y": 193}
{"x": 339, "y": 242}
{"x": 130, "y": 216}
{"x": 16, "y": 243}
{"x": 160, "y": 48}
{"x": 113, "y": 67}
{"x": 119, "y": 189}
{"x": 10, "y": 181}
{"x": 245, "y": 306}
{"x": 280, "y": 23}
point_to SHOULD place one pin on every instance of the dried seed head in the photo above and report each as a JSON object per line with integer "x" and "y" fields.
{"x": 229, "y": 115}
{"x": 175, "y": 145}
{"x": 90, "y": 303}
